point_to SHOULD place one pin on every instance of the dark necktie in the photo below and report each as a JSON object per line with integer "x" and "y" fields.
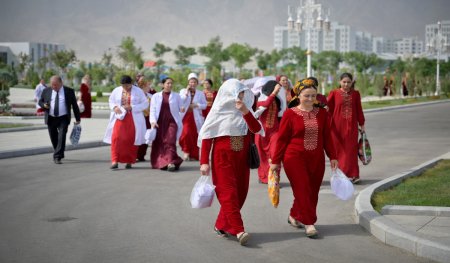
{"x": 56, "y": 110}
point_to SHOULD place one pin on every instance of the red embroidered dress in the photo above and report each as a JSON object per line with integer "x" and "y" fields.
{"x": 189, "y": 135}
{"x": 266, "y": 144}
{"x": 345, "y": 114}
{"x": 123, "y": 149}
{"x": 210, "y": 97}
{"x": 302, "y": 138}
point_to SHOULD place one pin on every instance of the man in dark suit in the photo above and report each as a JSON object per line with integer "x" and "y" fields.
{"x": 58, "y": 101}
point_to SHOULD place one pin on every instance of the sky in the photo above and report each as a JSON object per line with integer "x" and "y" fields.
{"x": 91, "y": 27}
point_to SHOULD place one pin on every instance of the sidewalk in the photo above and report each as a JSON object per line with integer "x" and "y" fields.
{"x": 423, "y": 231}
{"x": 426, "y": 233}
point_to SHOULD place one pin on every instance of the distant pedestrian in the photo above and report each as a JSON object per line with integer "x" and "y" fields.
{"x": 37, "y": 96}
{"x": 165, "y": 117}
{"x": 126, "y": 128}
{"x": 85, "y": 96}
{"x": 226, "y": 134}
{"x": 58, "y": 102}
{"x": 195, "y": 102}
{"x": 346, "y": 115}
{"x": 210, "y": 95}
{"x": 144, "y": 84}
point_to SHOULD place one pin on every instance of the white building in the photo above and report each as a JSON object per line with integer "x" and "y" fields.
{"x": 34, "y": 50}
{"x": 409, "y": 47}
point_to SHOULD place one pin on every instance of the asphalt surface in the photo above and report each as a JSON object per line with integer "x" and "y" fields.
{"x": 83, "y": 212}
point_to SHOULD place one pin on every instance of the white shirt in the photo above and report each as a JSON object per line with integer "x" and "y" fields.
{"x": 62, "y": 103}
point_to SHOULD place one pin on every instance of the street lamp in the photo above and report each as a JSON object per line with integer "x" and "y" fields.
{"x": 309, "y": 17}
{"x": 437, "y": 43}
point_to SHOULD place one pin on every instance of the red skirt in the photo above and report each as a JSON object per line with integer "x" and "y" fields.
{"x": 189, "y": 135}
{"x": 123, "y": 149}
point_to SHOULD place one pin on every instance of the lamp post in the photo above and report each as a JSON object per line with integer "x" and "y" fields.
{"x": 309, "y": 17}
{"x": 437, "y": 43}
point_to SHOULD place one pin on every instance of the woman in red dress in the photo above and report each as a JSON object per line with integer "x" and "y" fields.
{"x": 210, "y": 95}
{"x": 303, "y": 136}
{"x": 346, "y": 115}
{"x": 126, "y": 128}
{"x": 226, "y": 134}
{"x": 85, "y": 97}
{"x": 165, "y": 116}
{"x": 270, "y": 122}
{"x": 195, "y": 102}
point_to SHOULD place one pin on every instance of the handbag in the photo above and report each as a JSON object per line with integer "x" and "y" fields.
{"x": 254, "y": 156}
{"x": 364, "y": 151}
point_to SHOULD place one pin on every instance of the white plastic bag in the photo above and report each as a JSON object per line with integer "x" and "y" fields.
{"x": 341, "y": 185}
{"x": 150, "y": 135}
{"x": 202, "y": 194}
{"x": 121, "y": 116}
{"x": 81, "y": 106}
{"x": 75, "y": 134}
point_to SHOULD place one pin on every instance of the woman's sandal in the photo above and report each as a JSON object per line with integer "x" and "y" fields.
{"x": 293, "y": 222}
{"x": 220, "y": 233}
{"x": 243, "y": 238}
{"x": 313, "y": 233}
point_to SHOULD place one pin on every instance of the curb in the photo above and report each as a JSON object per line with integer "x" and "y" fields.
{"x": 27, "y": 128}
{"x": 46, "y": 149}
{"x": 399, "y": 107}
{"x": 390, "y": 233}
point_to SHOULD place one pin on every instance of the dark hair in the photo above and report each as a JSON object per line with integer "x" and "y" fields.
{"x": 346, "y": 75}
{"x": 209, "y": 81}
{"x": 316, "y": 82}
{"x": 126, "y": 80}
{"x": 268, "y": 88}
{"x": 165, "y": 79}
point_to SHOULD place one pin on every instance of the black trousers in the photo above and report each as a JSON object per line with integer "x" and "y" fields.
{"x": 57, "y": 129}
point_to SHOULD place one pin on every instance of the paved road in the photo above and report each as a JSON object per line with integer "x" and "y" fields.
{"x": 83, "y": 212}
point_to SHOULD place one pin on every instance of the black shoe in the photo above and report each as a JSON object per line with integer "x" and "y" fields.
{"x": 128, "y": 166}
{"x": 57, "y": 161}
{"x": 114, "y": 166}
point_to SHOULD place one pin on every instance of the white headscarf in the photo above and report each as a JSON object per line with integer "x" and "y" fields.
{"x": 224, "y": 119}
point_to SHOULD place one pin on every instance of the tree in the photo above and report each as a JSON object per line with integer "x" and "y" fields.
{"x": 24, "y": 63}
{"x": 213, "y": 50}
{"x": 107, "y": 62}
{"x": 183, "y": 55}
{"x": 360, "y": 61}
{"x": 63, "y": 58}
{"x": 159, "y": 50}
{"x": 130, "y": 54}
{"x": 241, "y": 54}
{"x": 327, "y": 61}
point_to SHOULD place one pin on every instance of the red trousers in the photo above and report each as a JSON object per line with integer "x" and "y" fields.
{"x": 230, "y": 174}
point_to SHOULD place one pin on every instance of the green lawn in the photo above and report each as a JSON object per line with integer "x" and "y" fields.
{"x": 396, "y": 102}
{"x": 12, "y": 125}
{"x": 432, "y": 188}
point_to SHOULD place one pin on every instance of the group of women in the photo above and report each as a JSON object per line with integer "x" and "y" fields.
{"x": 175, "y": 117}
{"x": 297, "y": 136}
{"x": 307, "y": 129}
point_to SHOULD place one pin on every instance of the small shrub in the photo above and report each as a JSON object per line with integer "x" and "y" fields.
{"x": 99, "y": 94}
